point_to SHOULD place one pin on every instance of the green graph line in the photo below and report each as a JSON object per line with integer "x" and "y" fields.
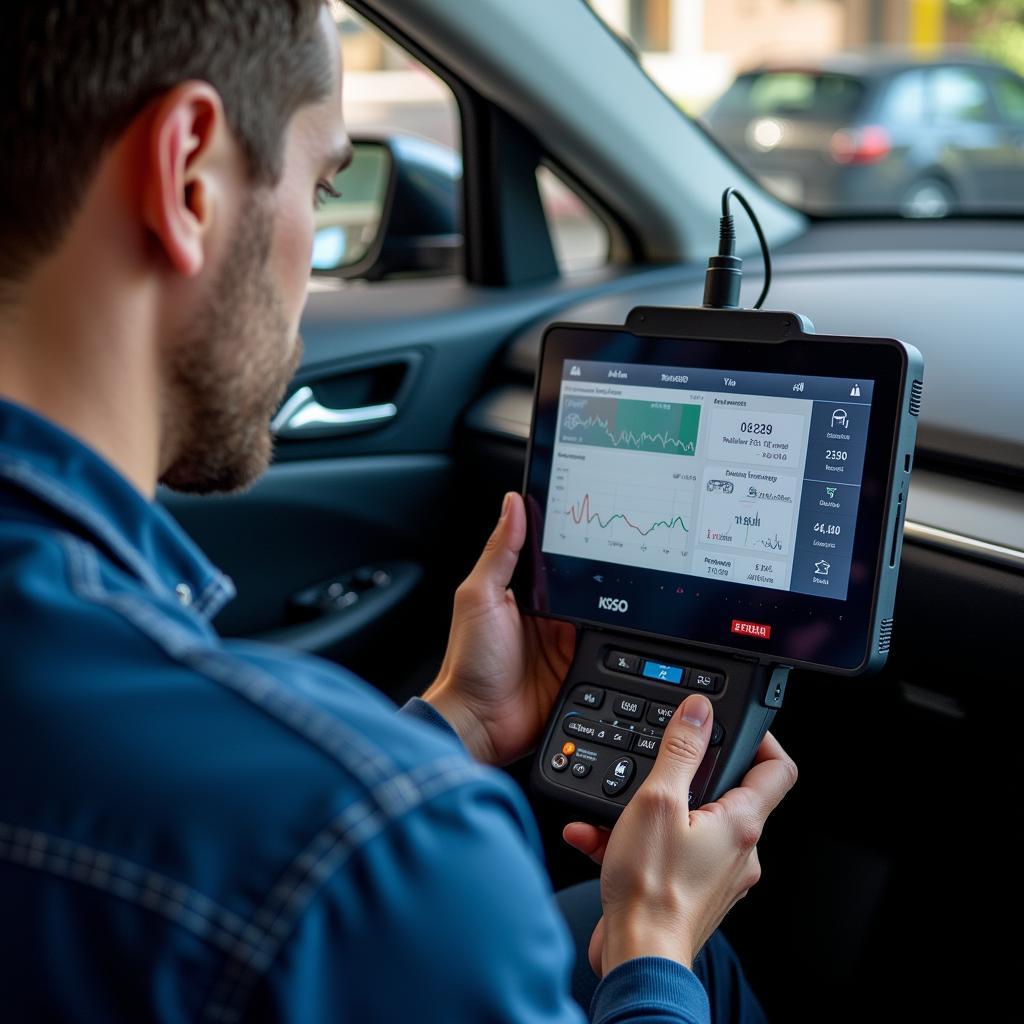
{"x": 630, "y": 424}
{"x": 573, "y": 422}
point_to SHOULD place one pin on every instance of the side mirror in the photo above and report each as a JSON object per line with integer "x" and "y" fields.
{"x": 398, "y": 212}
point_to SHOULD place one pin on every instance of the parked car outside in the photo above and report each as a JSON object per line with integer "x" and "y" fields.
{"x": 880, "y": 133}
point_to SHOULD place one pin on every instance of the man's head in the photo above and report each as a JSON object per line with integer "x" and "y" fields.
{"x": 166, "y": 156}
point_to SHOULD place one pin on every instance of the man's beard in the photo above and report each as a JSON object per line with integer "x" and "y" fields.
{"x": 228, "y": 372}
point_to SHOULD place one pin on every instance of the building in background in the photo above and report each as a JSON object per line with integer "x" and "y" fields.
{"x": 694, "y": 48}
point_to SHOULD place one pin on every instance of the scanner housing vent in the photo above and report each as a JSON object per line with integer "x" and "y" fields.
{"x": 884, "y": 636}
{"x": 916, "y": 390}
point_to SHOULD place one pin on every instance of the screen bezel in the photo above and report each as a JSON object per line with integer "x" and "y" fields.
{"x": 816, "y": 632}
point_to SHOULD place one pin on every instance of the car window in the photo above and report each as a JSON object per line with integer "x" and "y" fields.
{"x": 904, "y": 102}
{"x": 848, "y": 107}
{"x": 1010, "y": 98}
{"x": 794, "y": 93}
{"x": 580, "y": 238}
{"x": 959, "y": 95}
{"x": 390, "y": 95}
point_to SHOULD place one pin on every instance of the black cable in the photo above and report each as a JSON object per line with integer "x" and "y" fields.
{"x": 760, "y": 237}
{"x": 725, "y": 271}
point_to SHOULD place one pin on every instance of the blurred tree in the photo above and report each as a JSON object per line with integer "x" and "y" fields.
{"x": 997, "y": 28}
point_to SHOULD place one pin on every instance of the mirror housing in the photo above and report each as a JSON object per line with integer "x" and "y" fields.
{"x": 398, "y": 214}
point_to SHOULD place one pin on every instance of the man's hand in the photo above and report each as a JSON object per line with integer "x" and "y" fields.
{"x": 669, "y": 875}
{"x": 501, "y": 671}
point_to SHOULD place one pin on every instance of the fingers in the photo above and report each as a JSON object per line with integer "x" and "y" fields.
{"x": 770, "y": 778}
{"x": 494, "y": 568}
{"x": 683, "y": 745}
{"x": 588, "y": 839}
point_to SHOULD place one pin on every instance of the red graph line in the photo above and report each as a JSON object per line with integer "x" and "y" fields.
{"x": 584, "y": 514}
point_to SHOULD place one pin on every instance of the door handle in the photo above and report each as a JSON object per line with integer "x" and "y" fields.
{"x": 302, "y": 416}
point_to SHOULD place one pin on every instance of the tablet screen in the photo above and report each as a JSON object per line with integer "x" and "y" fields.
{"x": 748, "y": 477}
{"x": 727, "y": 493}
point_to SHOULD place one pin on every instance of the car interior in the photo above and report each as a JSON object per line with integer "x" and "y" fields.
{"x": 409, "y": 419}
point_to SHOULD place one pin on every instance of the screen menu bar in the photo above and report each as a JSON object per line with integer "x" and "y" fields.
{"x": 779, "y": 385}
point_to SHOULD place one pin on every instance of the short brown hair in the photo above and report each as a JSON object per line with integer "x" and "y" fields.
{"x": 74, "y": 74}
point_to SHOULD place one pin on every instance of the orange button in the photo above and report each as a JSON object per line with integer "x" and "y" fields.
{"x": 568, "y": 749}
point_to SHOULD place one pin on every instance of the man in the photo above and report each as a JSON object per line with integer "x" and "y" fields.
{"x": 193, "y": 829}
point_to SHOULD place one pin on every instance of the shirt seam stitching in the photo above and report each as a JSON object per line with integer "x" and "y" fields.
{"x": 388, "y": 796}
{"x": 24, "y": 473}
{"x": 78, "y": 862}
{"x": 342, "y": 837}
{"x": 370, "y": 766}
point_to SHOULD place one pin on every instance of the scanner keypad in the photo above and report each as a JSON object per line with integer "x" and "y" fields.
{"x": 612, "y": 734}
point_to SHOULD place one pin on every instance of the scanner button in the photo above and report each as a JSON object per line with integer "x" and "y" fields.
{"x": 588, "y": 696}
{"x": 581, "y": 769}
{"x": 619, "y": 776}
{"x": 574, "y": 726}
{"x": 717, "y": 734}
{"x": 611, "y": 736}
{"x": 709, "y": 682}
{"x": 659, "y": 714}
{"x": 663, "y": 673}
{"x": 620, "y": 661}
{"x": 559, "y": 762}
{"x": 646, "y": 745}
{"x": 629, "y": 707}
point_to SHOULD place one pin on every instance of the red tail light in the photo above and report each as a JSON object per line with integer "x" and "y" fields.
{"x": 860, "y": 145}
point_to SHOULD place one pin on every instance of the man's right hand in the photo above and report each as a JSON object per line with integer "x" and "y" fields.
{"x": 670, "y": 875}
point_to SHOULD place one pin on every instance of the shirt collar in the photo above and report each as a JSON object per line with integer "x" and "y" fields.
{"x": 75, "y": 483}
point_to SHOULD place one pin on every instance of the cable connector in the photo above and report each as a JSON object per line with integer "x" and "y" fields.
{"x": 725, "y": 271}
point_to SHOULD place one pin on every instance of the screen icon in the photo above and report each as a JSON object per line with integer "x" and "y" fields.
{"x": 831, "y": 491}
{"x": 840, "y": 419}
{"x": 798, "y": 387}
{"x": 855, "y": 391}
{"x": 575, "y": 372}
{"x": 821, "y": 568}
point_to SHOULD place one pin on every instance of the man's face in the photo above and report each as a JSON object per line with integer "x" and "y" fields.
{"x": 228, "y": 371}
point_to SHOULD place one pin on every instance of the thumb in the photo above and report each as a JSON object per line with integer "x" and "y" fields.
{"x": 497, "y": 562}
{"x": 588, "y": 839}
{"x": 683, "y": 744}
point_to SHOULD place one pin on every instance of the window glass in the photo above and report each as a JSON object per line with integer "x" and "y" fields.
{"x": 390, "y": 95}
{"x": 580, "y": 238}
{"x": 393, "y": 105}
{"x": 1010, "y": 97}
{"x": 830, "y": 103}
{"x": 649, "y": 23}
{"x": 904, "y": 101}
{"x": 959, "y": 95}
{"x": 796, "y": 93}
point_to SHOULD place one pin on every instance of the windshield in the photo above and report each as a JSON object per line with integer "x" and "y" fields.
{"x": 910, "y": 108}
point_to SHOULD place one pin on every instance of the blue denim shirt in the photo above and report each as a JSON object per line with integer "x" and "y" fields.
{"x": 195, "y": 829}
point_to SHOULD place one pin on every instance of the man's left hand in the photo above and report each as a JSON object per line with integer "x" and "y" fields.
{"x": 502, "y": 670}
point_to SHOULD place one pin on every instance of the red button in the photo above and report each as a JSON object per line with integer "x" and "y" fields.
{"x": 755, "y": 629}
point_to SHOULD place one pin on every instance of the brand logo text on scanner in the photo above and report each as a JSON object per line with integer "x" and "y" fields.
{"x": 758, "y": 629}
{"x": 613, "y": 604}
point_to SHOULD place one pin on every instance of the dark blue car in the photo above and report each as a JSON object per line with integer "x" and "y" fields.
{"x": 874, "y": 133}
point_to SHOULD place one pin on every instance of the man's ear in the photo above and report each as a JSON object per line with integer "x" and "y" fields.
{"x": 184, "y": 180}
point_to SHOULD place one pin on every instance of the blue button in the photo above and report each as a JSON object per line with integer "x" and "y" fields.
{"x": 663, "y": 673}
